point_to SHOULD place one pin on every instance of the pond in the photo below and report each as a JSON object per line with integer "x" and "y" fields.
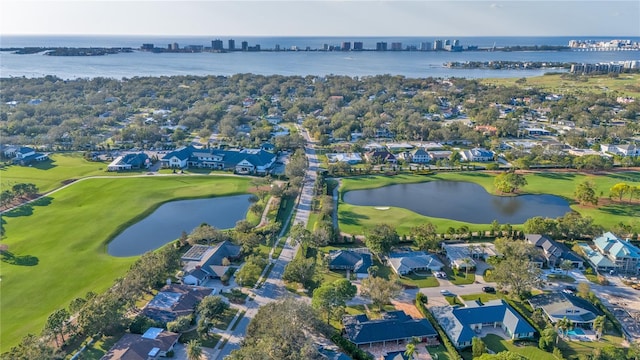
{"x": 168, "y": 221}
{"x": 462, "y": 201}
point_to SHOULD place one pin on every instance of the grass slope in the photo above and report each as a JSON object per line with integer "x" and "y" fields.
{"x": 66, "y": 236}
{"x": 49, "y": 175}
{"x": 355, "y": 219}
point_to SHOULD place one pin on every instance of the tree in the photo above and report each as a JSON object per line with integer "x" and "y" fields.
{"x": 540, "y": 225}
{"x": 425, "y": 236}
{"x": 548, "y": 339}
{"x": 381, "y": 239}
{"x": 297, "y": 165}
{"x": 32, "y": 347}
{"x": 55, "y": 324}
{"x": 250, "y": 272}
{"x": 566, "y": 265}
{"x": 515, "y": 271}
{"x": 299, "y": 234}
{"x": 212, "y": 307}
{"x": 509, "y": 182}
{"x": 619, "y": 190}
{"x": 599, "y": 324}
{"x": 478, "y": 347}
{"x": 411, "y": 349}
{"x": 585, "y": 193}
{"x": 380, "y": 291}
{"x": 300, "y": 270}
{"x": 206, "y": 233}
{"x": 284, "y": 329}
{"x": 194, "y": 351}
{"x": 331, "y": 298}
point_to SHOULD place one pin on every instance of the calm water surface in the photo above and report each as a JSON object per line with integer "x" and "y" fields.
{"x": 169, "y": 220}
{"x": 462, "y": 201}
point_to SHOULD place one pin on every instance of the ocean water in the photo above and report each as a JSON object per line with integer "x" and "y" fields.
{"x": 368, "y": 63}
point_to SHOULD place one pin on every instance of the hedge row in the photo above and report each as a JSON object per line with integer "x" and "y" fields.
{"x": 443, "y": 336}
{"x": 350, "y": 348}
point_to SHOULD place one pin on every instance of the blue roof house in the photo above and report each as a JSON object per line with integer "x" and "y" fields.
{"x": 395, "y": 327}
{"x": 357, "y": 262}
{"x": 623, "y": 254}
{"x": 462, "y": 324}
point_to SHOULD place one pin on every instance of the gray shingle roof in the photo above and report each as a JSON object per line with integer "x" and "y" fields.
{"x": 559, "y": 305}
{"x": 394, "y": 325}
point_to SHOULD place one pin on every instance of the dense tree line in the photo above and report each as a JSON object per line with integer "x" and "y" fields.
{"x": 75, "y": 114}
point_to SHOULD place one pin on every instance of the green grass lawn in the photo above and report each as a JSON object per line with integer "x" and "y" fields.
{"x": 49, "y": 175}
{"x": 98, "y": 348}
{"x": 484, "y": 297}
{"x": 528, "y": 350}
{"x": 356, "y": 219}
{"x": 65, "y": 238}
{"x": 625, "y": 84}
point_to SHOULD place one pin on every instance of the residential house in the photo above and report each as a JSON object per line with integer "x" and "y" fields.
{"x": 350, "y": 158}
{"x": 24, "y": 155}
{"x": 554, "y": 252}
{"x": 357, "y": 262}
{"x": 461, "y": 256}
{"x": 129, "y": 162}
{"x": 477, "y": 154}
{"x": 439, "y": 155}
{"x": 419, "y": 156}
{"x": 393, "y": 327}
{"x": 245, "y": 161}
{"x": 380, "y": 157}
{"x": 407, "y": 262}
{"x": 153, "y": 344}
{"x": 560, "y": 305}
{"x": 597, "y": 260}
{"x": 622, "y": 150}
{"x": 464, "y": 323}
{"x": 622, "y": 253}
{"x": 175, "y": 300}
{"x": 203, "y": 262}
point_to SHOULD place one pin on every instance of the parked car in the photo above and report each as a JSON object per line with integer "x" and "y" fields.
{"x": 489, "y": 289}
{"x": 571, "y": 288}
{"x": 446, "y": 293}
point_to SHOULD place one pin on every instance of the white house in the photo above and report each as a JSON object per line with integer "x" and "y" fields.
{"x": 477, "y": 154}
{"x": 622, "y": 150}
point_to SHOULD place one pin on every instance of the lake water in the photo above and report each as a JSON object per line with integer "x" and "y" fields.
{"x": 462, "y": 201}
{"x": 416, "y": 64}
{"x": 169, "y": 220}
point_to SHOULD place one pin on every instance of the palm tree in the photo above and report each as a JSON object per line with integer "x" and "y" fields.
{"x": 194, "y": 351}
{"x": 411, "y": 350}
{"x": 466, "y": 262}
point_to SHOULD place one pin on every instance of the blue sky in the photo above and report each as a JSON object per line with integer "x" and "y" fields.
{"x": 322, "y": 18}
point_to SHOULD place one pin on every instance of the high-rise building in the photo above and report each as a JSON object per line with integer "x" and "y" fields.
{"x": 277, "y": 48}
{"x": 216, "y": 45}
{"x": 437, "y": 45}
{"x": 425, "y": 46}
{"x": 381, "y": 46}
{"x": 396, "y": 46}
{"x": 232, "y": 45}
{"x": 245, "y": 46}
{"x": 346, "y": 46}
{"x": 357, "y": 45}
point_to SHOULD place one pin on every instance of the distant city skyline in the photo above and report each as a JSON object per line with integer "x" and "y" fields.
{"x": 321, "y": 18}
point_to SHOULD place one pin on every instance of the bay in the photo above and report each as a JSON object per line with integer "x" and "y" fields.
{"x": 415, "y": 64}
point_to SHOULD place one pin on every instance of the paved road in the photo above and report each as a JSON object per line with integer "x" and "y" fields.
{"x": 273, "y": 287}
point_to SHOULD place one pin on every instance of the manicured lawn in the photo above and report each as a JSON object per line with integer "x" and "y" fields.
{"x": 225, "y": 321}
{"x": 421, "y": 281}
{"x": 49, "y": 175}
{"x": 453, "y": 300}
{"x": 624, "y": 84}
{"x": 561, "y": 278}
{"x": 209, "y": 341}
{"x": 484, "y": 297}
{"x": 356, "y": 219}
{"x": 65, "y": 236}
{"x": 528, "y": 350}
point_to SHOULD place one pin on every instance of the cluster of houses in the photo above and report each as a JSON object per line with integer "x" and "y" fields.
{"x": 417, "y": 153}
